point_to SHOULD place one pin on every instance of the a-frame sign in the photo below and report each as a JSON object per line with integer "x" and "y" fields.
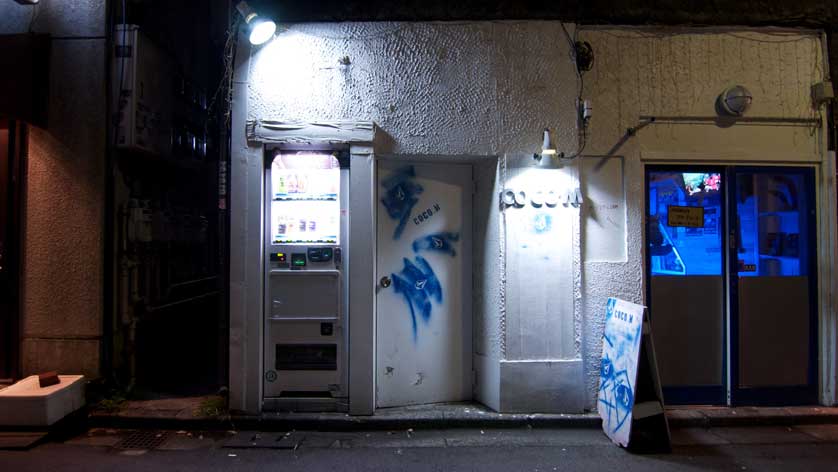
{"x": 630, "y": 401}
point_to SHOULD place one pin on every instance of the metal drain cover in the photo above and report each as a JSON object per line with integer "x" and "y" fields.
{"x": 143, "y": 439}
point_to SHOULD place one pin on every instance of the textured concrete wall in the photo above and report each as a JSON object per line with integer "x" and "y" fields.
{"x": 716, "y": 12}
{"x": 475, "y": 89}
{"x": 61, "y": 305}
{"x": 679, "y": 74}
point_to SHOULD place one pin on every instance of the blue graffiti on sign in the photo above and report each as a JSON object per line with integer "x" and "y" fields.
{"x": 618, "y": 367}
{"x": 615, "y": 392}
{"x": 400, "y": 196}
{"x": 418, "y": 284}
{"x": 440, "y": 242}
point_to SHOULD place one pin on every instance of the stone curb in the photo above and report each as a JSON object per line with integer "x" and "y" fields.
{"x": 341, "y": 422}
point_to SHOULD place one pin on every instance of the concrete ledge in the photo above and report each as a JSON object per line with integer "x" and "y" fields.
{"x": 446, "y": 416}
{"x": 693, "y": 417}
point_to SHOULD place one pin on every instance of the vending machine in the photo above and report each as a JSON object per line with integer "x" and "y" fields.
{"x": 306, "y": 294}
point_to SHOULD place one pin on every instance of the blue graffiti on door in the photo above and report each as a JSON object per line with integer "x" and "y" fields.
{"x": 400, "y": 196}
{"x": 418, "y": 284}
{"x": 440, "y": 242}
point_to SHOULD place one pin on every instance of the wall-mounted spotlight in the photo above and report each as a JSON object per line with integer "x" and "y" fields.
{"x": 261, "y": 29}
{"x": 548, "y": 154}
{"x": 547, "y": 149}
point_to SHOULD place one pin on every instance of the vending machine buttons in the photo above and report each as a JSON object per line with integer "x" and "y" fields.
{"x": 298, "y": 260}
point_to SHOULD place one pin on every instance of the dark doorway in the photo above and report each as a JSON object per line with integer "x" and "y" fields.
{"x": 12, "y": 149}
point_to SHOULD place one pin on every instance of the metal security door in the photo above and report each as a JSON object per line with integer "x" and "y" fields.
{"x": 773, "y": 285}
{"x": 423, "y": 324}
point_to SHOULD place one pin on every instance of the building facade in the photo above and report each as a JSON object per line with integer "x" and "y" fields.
{"x": 479, "y": 95}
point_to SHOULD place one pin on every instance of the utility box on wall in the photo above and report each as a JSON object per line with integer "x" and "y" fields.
{"x": 143, "y": 92}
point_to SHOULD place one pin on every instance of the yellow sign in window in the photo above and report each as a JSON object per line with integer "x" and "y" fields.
{"x": 685, "y": 216}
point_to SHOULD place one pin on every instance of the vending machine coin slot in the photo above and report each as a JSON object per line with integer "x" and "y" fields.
{"x": 320, "y": 254}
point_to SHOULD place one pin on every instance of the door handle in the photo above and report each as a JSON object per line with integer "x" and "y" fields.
{"x": 385, "y": 282}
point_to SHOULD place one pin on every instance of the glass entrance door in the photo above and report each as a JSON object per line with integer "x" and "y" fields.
{"x": 731, "y": 280}
{"x": 686, "y": 288}
{"x": 773, "y": 286}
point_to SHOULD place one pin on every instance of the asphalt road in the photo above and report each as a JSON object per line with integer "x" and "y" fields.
{"x": 733, "y": 449}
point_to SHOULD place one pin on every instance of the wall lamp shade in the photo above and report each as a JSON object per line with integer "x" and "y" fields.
{"x": 261, "y": 29}
{"x": 549, "y": 156}
{"x": 735, "y": 100}
{"x": 546, "y": 144}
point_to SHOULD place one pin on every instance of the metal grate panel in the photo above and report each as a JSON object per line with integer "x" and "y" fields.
{"x": 143, "y": 439}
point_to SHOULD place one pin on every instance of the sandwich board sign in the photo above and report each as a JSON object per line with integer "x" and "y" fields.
{"x": 630, "y": 401}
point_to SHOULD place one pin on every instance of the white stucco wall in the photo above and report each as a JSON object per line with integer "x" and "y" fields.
{"x": 679, "y": 73}
{"x": 460, "y": 89}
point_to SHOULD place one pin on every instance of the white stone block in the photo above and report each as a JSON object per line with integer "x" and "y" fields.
{"x": 27, "y": 404}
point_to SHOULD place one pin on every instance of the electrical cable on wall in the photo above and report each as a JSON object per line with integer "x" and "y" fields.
{"x": 227, "y": 78}
{"x": 582, "y": 55}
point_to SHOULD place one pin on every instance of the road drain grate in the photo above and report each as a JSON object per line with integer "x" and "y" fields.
{"x": 143, "y": 440}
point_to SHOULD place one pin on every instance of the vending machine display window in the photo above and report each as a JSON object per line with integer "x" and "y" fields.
{"x": 305, "y": 198}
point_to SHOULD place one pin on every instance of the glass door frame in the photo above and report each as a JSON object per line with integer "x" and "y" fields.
{"x": 694, "y": 394}
{"x": 780, "y": 395}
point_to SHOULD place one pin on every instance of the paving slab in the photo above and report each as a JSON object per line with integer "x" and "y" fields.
{"x": 20, "y": 440}
{"x": 262, "y": 440}
{"x": 183, "y": 441}
{"x": 394, "y": 439}
{"x": 823, "y": 432}
{"x": 564, "y": 437}
{"x": 696, "y": 437}
{"x": 762, "y": 435}
{"x": 96, "y": 440}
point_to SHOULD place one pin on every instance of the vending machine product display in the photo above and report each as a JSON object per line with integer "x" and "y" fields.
{"x": 306, "y": 325}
